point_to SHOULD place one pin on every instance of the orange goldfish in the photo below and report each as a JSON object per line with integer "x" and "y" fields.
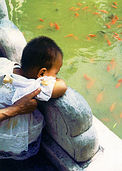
{"x": 87, "y": 77}
{"x": 114, "y": 6}
{"x": 115, "y": 3}
{"x": 104, "y": 11}
{"x": 76, "y": 14}
{"x": 113, "y": 63}
{"x": 90, "y": 84}
{"x": 72, "y": 8}
{"x": 118, "y": 85}
{"x": 108, "y": 26}
{"x": 120, "y": 25}
{"x": 51, "y": 24}
{"x": 120, "y": 80}
{"x": 79, "y": 4}
{"x": 92, "y": 35}
{"x": 120, "y": 115}
{"x": 76, "y": 9}
{"x": 109, "y": 43}
{"x": 57, "y": 26}
{"x": 88, "y": 38}
{"x": 91, "y": 60}
{"x": 116, "y": 34}
{"x": 105, "y": 119}
{"x": 84, "y": 8}
{"x": 96, "y": 13}
{"x": 41, "y": 20}
{"x": 39, "y": 26}
{"x": 112, "y": 107}
{"x": 99, "y": 97}
{"x": 75, "y": 37}
{"x": 69, "y": 35}
{"x": 114, "y": 19}
{"x": 108, "y": 67}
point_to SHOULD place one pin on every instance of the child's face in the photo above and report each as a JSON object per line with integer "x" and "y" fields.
{"x": 53, "y": 71}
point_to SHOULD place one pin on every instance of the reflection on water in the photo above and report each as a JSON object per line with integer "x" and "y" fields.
{"x": 89, "y": 33}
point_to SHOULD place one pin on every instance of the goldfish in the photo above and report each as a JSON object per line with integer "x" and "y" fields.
{"x": 114, "y": 6}
{"x": 104, "y": 11}
{"x": 84, "y": 8}
{"x": 39, "y": 26}
{"x": 108, "y": 67}
{"x": 91, "y": 60}
{"x": 113, "y": 63}
{"x": 57, "y": 26}
{"x": 87, "y": 77}
{"x": 114, "y": 19}
{"x": 108, "y": 26}
{"x": 118, "y": 85}
{"x": 88, "y": 38}
{"x": 115, "y": 3}
{"x": 41, "y": 20}
{"x": 109, "y": 43}
{"x": 92, "y": 35}
{"x": 112, "y": 107}
{"x": 90, "y": 84}
{"x": 120, "y": 25}
{"x": 69, "y": 35}
{"x": 96, "y": 13}
{"x": 72, "y": 8}
{"x": 105, "y": 119}
{"x": 116, "y": 34}
{"x": 120, "y": 80}
{"x": 51, "y": 24}
{"x": 75, "y": 37}
{"x": 120, "y": 115}
{"x": 72, "y": 35}
{"x": 99, "y": 97}
{"x": 76, "y": 14}
{"x": 79, "y": 4}
{"x": 76, "y": 9}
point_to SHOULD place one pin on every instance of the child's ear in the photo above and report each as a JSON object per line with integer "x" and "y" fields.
{"x": 41, "y": 72}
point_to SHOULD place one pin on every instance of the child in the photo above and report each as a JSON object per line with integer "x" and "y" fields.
{"x": 41, "y": 61}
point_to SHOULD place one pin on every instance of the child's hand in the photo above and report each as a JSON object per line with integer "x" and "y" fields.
{"x": 59, "y": 88}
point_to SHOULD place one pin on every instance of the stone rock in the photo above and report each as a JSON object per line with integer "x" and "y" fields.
{"x": 69, "y": 122}
{"x": 12, "y": 40}
{"x": 3, "y": 10}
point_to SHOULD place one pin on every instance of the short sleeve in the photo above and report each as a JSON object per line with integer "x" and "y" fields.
{"x": 46, "y": 85}
{"x": 24, "y": 86}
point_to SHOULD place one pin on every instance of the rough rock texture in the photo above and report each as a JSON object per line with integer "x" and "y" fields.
{"x": 3, "y": 10}
{"x": 69, "y": 122}
{"x": 12, "y": 40}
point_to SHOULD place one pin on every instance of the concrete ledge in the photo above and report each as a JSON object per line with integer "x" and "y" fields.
{"x": 108, "y": 158}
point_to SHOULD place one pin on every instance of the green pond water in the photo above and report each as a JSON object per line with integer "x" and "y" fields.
{"x": 92, "y": 50}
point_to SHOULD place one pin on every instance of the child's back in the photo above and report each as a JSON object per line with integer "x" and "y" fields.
{"x": 40, "y": 63}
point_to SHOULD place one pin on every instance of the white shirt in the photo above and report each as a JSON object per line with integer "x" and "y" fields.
{"x": 18, "y": 132}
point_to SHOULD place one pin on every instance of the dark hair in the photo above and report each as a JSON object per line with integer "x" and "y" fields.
{"x": 40, "y": 52}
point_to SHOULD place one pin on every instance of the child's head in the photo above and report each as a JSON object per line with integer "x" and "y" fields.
{"x": 41, "y": 57}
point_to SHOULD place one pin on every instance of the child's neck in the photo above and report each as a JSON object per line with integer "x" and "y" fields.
{"x": 18, "y": 71}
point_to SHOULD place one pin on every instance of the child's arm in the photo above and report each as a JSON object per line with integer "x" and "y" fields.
{"x": 59, "y": 88}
